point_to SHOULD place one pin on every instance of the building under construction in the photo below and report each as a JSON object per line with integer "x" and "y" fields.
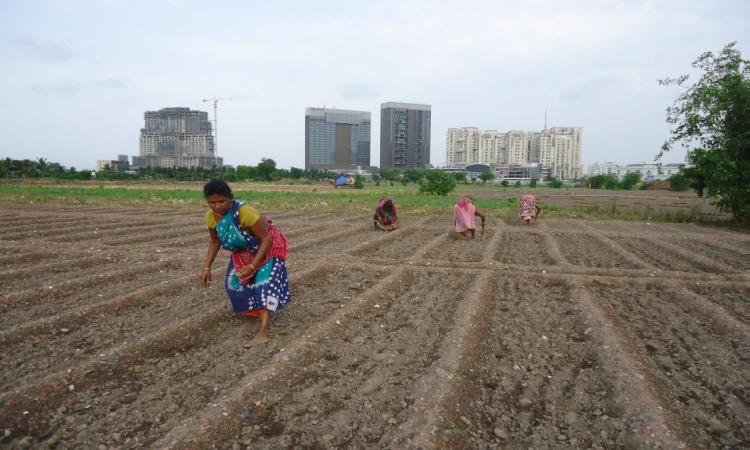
{"x": 177, "y": 137}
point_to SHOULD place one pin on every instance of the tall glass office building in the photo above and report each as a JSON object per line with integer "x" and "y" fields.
{"x": 405, "y": 135}
{"x": 336, "y": 138}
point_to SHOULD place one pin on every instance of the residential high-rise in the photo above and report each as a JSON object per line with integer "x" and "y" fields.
{"x": 336, "y": 138}
{"x": 176, "y": 137}
{"x": 558, "y": 149}
{"x": 405, "y": 135}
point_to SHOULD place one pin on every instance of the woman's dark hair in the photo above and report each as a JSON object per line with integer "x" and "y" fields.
{"x": 217, "y": 187}
{"x": 388, "y": 206}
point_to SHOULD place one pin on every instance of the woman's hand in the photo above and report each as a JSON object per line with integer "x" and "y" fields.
{"x": 247, "y": 271}
{"x": 206, "y": 276}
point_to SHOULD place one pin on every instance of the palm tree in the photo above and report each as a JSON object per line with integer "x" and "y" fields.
{"x": 42, "y": 165}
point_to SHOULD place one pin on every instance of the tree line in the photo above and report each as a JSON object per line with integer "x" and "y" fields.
{"x": 266, "y": 170}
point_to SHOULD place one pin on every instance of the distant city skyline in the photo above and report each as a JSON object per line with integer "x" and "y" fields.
{"x": 556, "y": 148}
{"x": 78, "y": 75}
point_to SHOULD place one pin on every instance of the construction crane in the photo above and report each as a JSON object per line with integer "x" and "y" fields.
{"x": 216, "y": 117}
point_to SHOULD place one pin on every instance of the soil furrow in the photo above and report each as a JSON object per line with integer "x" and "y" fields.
{"x": 698, "y": 368}
{"x": 536, "y": 379}
{"x": 402, "y": 246}
{"x": 588, "y": 250}
{"x": 523, "y": 247}
{"x": 462, "y": 249}
{"x": 662, "y": 257}
{"x": 733, "y": 298}
{"x": 84, "y": 336}
{"x": 163, "y": 388}
{"x": 355, "y": 383}
{"x": 51, "y": 273}
{"x": 729, "y": 256}
{"x": 74, "y": 290}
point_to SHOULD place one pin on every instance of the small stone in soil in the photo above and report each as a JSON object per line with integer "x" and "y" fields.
{"x": 500, "y": 433}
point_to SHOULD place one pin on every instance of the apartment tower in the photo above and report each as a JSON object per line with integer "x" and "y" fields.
{"x": 404, "y": 135}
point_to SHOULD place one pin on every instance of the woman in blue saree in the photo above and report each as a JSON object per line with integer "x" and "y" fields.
{"x": 256, "y": 279}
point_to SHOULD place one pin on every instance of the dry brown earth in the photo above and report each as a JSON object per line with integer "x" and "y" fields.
{"x": 563, "y": 334}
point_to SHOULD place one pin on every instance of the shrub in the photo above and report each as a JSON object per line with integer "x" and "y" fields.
{"x": 438, "y": 183}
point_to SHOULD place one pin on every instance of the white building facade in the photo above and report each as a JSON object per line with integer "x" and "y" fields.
{"x": 558, "y": 149}
{"x": 649, "y": 171}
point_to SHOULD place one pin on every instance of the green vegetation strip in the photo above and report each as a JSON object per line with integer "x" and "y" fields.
{"x": 409, "y": 201}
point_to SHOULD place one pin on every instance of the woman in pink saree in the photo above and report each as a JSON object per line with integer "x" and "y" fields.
{"x": 463, "y": 214}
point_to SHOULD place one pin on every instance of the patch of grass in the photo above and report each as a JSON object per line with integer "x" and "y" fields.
{"x": 323, "y": 198}
{"x": 463, "y": 430}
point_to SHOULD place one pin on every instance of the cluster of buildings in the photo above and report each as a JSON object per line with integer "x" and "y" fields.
{"x": 516, "y": 155}
{"x": 649, "y": 171}
{"x": 339, "y": 139}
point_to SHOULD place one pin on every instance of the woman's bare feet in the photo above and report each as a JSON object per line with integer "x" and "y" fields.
{"x": 262, "y": 336}
{"x": 259, "y": 339}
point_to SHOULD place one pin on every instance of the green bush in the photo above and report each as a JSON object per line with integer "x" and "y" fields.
{"x": 359, "y": 182}
{"x": 532, "y": 183}
{"x": 630, "y": 180}
{"x": 486, "y": 176}
{"x": 505, "y": 183}
{"x": 679, "y": 182}
{"x": 438, "y": 183}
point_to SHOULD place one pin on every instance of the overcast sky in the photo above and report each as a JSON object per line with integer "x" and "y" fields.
{"x": 77, "y": 76}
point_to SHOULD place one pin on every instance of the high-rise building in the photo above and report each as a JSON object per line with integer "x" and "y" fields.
{"x": 558, "y": 149}
{"x": 405, "y": 135}
{"x": 177, "y": 137}
{"x": 336, "y": 138}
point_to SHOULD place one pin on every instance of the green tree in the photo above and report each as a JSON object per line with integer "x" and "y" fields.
{"x": 42, "y": 163}
{"x": 532, "y": 183}
{"x": 389, "y": 173}
{"x": 414, "y": 175}
{"x": 486, "y": 176}
{"x": 630, "y": 180}
{"x": 459, "y": 176}
{"x": 438, "y": 183}
{"x": 505, "y": 183}
{"x": 711, "y": 119}
{"x": 608, "y": 181}
{"x": 267, "y": 169}
{"x": 359, "y": 182}
{"x": 679, "y": 182}
{"x": 555, "y": 183}
{"x": 296, "y": 173}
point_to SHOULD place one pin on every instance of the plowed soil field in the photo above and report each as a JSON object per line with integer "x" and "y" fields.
{"x": 562, "y": 334}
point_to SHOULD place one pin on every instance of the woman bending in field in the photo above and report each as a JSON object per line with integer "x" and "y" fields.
{"x": 528, "y": 209}
{"x": 463, "y": 217}
{"x": 256, "y": 279}
{"x": 386, "y": 214}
